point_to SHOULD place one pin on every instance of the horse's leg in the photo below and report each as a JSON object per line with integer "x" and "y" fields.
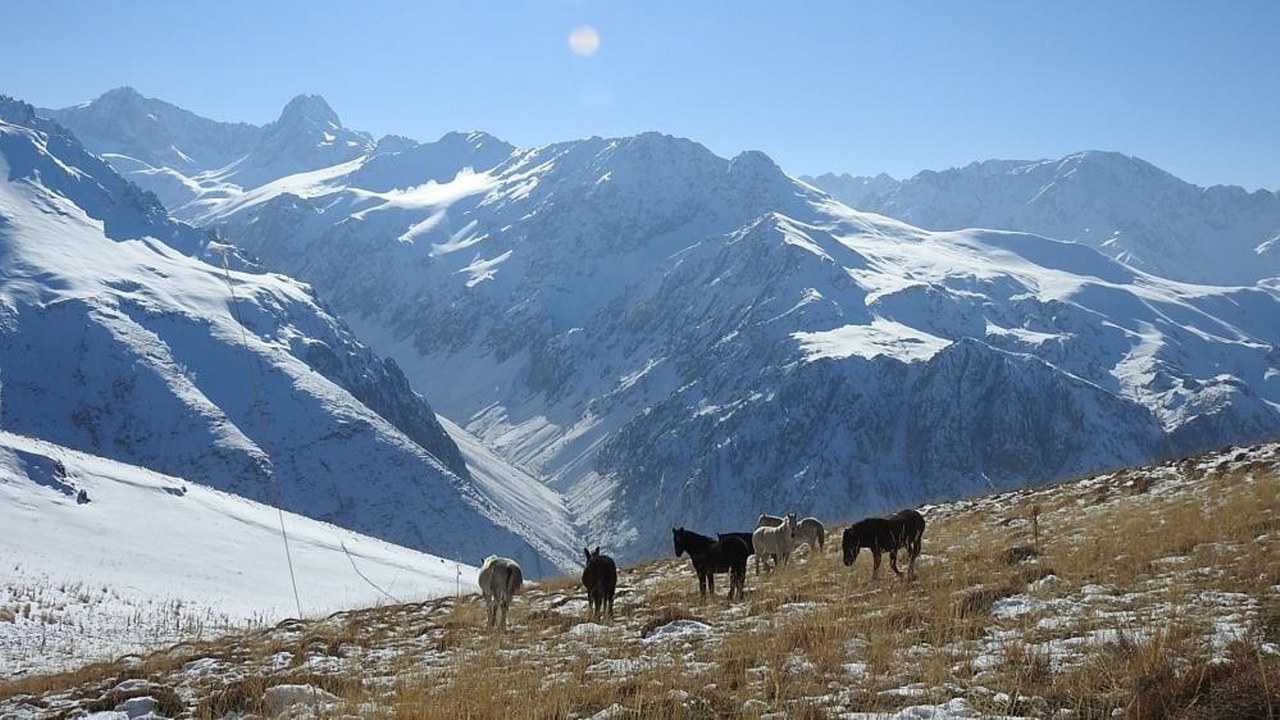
{"x": 875, "y": 567}
{"x": 711, "y": 585}
{"x": 893, "y": 561}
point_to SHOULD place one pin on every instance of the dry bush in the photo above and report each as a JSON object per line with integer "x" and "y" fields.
{"x": 167, "y": 701}
{"x": 248, "y": 696}
{"x": 1243, "y": 689}
{"x": 979, "y": 601}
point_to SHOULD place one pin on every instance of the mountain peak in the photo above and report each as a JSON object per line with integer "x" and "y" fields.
{"x": 117, "y": 99}
{"x": 394, "y": 144}
{"x": 13, "y": 110}
{"x": 754, "y": 160}
{"x": 121, "y": 93}
{"x": 309, "y": 110}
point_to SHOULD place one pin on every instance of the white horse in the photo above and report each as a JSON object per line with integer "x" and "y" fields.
{"x": 500, "y": 580}
{"x": 776, "y": 541}
{"x": 766, "y": 520}
{"x": 810, "y": 530}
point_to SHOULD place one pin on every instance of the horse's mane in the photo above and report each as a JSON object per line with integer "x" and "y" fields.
{"x": 691, "y": 535}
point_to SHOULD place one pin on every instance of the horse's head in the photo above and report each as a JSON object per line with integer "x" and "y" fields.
{"x": 677, "y": 539}
{"x": 791, "y": 524}
{"x": 850, "y": 542}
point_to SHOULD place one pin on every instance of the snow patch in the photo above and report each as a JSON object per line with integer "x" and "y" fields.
{"x": 879, "y": 337}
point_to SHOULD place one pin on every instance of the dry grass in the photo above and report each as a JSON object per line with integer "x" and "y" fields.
{"x": 1099, "y": 597}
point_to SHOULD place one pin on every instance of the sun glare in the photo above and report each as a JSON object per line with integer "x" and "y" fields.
{"x": 584, "y": 40}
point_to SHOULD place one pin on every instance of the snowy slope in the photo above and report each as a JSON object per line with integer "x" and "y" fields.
{"x": 1127, "y": 208}
{"x": 128, "y": 349}
{"x": 106, "y": 544}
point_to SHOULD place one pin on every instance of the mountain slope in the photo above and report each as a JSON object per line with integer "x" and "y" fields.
{"x": 1127, "y": 208}
{"x": 676, "y": 338}
{"x": 145, "y": 559}
{"x": 123, "y": 347}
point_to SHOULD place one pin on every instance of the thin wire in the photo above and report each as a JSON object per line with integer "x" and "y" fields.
{"x": 364, "y": 577}
{"x": 253, "y": 382}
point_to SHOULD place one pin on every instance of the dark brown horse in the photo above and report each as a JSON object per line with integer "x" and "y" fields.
{"x": 712, "y": 556}
{"x": 600, "y": 577}
{"x": 880, "y": 535}
{"x": 744, "y": 537}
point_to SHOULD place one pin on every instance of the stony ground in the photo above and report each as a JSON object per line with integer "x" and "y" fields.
{"x": 1152, "y": 592}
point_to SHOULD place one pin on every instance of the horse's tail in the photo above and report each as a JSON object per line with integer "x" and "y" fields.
{"x": 515, "y": 579}
{"x": 917, "y": 537}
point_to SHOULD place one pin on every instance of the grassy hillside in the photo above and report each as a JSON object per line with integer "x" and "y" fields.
{"x": 1147, "y": 593}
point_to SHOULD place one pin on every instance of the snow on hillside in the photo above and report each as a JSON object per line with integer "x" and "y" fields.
{"x": 101, "y": 558}
{"x": 118, "y": 344}
{"x": 1125, "y": 207}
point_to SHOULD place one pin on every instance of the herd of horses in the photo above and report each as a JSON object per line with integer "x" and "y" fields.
{"x": 773, "y": 540}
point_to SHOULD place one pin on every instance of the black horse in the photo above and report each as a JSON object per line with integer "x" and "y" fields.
{"x": 600, "y": 577}
{"x": 712, "y": 556}
{"x": 750, "y": 543}
{"x": 903, "y": 530}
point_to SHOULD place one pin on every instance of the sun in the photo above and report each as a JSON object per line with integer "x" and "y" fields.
{"x": 584, "y": 40}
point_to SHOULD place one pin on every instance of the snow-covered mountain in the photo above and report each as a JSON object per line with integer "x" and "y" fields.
{"x": 115, "y": 340}
{"x": 674, "y": 338}
{"x": 118, "y": 559}
{"x": 186, "y": 159}
{"x": 1125, "y": 207}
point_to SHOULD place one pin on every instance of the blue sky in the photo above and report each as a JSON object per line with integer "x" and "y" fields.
{"x": 844, "y": 86}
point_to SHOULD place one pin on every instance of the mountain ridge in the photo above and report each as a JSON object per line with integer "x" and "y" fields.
{"x": 1124, "y": 206}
